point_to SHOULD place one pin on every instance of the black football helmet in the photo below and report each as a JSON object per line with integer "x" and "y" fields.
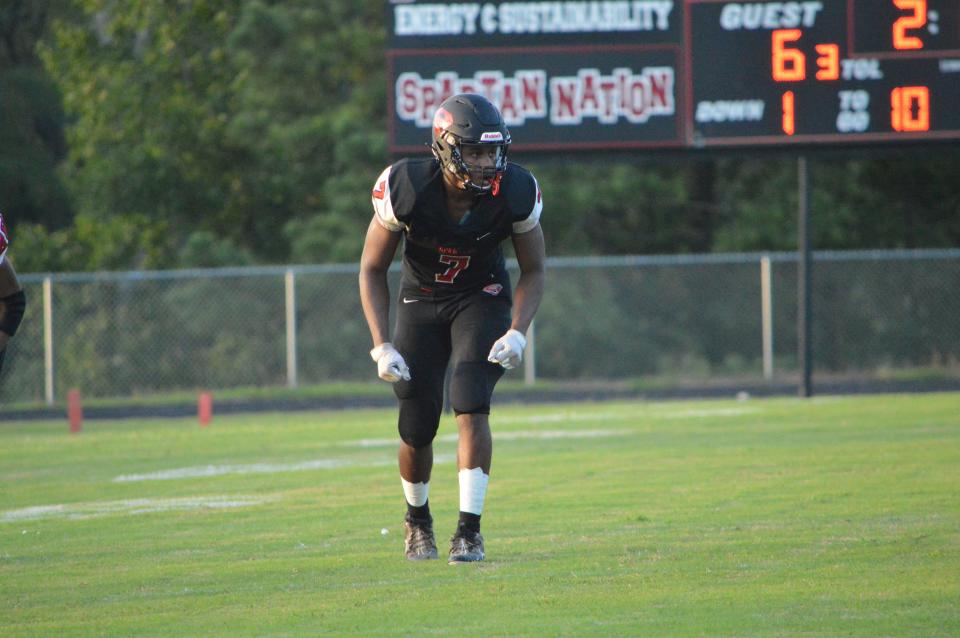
{"x": 470, "y": 120}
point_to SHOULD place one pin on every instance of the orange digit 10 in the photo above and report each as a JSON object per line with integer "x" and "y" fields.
{"x": 902, "y": 41}
{"x": 903, "y": 99}
{"x": 789, "y": 65}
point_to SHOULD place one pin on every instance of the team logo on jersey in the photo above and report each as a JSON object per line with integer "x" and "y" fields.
{"x": 493, "y": 289}
{"x": 4, "y": 241}
{"x": 381, "y": 188}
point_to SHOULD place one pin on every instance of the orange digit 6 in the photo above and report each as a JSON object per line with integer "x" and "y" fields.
{"x": 789, "y": 65}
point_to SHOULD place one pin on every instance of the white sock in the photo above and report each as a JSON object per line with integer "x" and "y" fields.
{"x": 415, "y": 493}
{"x": 473, "y": 489}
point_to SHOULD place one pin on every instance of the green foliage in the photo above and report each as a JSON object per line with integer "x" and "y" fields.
{"x": 121, "y": 243}
{"x": 615, "y": 209}
{"x": 146, "y": 85}
{"x": 224, "y": 116}
{"x": 32, "y": 123}
{"x": 908, "y": 200}
{"x": 204, "y": 249}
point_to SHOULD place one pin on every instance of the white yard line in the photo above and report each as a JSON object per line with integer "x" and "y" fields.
{"x": 559, "y": 434}
{"x": 558, "y": 417}
{"x": 708, "y": 413}
{"x": 221, "y": 470}
{"x": 128, "y": 507}
{"x": 502, "y": 436}
{"x": 202, "y": 471}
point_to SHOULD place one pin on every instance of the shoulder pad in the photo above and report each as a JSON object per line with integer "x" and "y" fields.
{"x": 523, "y": 197}
{"x": 382, "y": 202}
{"x": 406, "y": 182}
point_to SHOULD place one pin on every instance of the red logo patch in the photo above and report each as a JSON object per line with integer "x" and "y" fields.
{"x": 442, "y": 120}
{"x": 493, "y": 289}
{"x": 381, "y": 188}
{"x": 3, "y": 236}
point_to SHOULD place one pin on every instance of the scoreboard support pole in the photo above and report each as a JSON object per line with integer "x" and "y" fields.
{"x": 804, "y": 263}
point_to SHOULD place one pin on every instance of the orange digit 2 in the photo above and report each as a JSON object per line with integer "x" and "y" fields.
{"x": 456, "y": 263}
{"x": 901, "y": 40}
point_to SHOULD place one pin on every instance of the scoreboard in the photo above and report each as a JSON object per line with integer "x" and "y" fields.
{"x": 863, "y": 70}
{"x": 661, "y": 74}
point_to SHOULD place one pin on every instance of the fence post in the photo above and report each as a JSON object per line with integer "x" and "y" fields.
{"x": 766, "y": 303}
{"x": 804, "y": 293}
{"x": 48, "y": 339}
{"x": 290, "y": 289}
{"x": 530, "y": 358}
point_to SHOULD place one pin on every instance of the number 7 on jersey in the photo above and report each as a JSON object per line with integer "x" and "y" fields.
{"x": 456, "y": 263}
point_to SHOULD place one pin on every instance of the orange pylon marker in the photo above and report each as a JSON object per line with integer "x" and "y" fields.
{"x": 205, "y": 408}
{"x": 74, "y": 411}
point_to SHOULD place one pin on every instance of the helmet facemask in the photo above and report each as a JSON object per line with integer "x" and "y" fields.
{"x": 478, "y": 178}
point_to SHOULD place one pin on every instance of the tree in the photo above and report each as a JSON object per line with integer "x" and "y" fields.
{"x": 32, "y": 138}
{"x": 227, "y": 116}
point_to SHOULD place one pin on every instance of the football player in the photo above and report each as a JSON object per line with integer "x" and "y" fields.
{"x": 12, "y": 300}
{"x": 455, "y": 305}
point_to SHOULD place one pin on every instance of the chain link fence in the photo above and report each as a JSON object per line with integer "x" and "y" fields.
{"x": 677, "y": 317}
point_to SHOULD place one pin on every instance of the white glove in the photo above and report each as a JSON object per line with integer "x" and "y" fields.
{"x": 508, "y": 349}
{"x": 390, "y": 364}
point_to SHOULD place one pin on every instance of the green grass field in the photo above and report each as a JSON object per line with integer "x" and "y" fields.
{"x": 826, "y": 517}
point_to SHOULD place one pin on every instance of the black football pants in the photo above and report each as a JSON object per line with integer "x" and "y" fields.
{"x": 432, "y": 333}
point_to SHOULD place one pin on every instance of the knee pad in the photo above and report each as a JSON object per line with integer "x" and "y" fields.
{"x": 471, "y": 386}
{"x": 418, "y": 422}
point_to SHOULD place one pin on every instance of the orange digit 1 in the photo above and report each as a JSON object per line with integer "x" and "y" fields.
{"x": 903, "y": 99}
{"x": 788, "y": 125}
{"x": 789, "y": 65}
{"x": 828, "y": 61}
{"x": 901, "y": 40}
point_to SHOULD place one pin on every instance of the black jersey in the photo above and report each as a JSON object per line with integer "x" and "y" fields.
{"x": 441, "y": 256}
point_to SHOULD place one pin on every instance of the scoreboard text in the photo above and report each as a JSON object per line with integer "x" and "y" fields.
{"x": 649, "y": 74}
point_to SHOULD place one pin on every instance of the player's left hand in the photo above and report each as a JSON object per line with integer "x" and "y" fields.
{"x": 508, "y": 349}
{"x": 390, "y": 364}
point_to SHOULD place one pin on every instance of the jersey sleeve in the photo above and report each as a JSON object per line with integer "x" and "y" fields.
{"x": 383, "y": 203}
{"x": 530, "y": 206}
{"x": 4, "y": 239}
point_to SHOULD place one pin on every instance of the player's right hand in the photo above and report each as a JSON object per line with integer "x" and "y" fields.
{"x": 390, "y": 364}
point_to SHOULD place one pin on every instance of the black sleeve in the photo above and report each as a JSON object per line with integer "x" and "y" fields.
{"x": 524, "y": 198}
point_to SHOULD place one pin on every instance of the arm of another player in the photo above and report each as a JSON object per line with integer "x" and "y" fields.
{"x": 12, "y": 299}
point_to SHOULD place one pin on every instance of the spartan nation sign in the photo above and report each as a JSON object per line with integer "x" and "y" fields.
{"x": 531, "y": 94}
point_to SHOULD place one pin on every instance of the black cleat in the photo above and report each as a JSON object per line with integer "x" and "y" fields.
{"x": 419, "y": 543}
{"x": 466, "y": 547}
